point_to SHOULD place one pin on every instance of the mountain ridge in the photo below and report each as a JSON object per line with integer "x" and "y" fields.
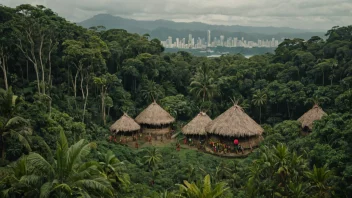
{"x": 150, "y": 27}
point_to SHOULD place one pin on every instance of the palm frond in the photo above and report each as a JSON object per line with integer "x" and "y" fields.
{"x": 77, "y": 152}
{"x": 45, "y": 190}
{"x": 37, "y": 164}
{"x": 16, "y": 122}
{"x": 21, "y": 139}
{"x": 99, "y": 185}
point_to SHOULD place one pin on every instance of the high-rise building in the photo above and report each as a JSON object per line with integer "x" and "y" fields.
{"x": 209, "y": 38}
{"x": 189, "y": 39}
{"x": 177, "y": 42}
{"x": 222, "y": 40}
{"x": 169, "y": 41}
{"x": 235, "y": 42}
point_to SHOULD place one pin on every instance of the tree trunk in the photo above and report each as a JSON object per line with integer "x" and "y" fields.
{"x": 49, "y": 64}
{"x": 49, "y": 106}
{"x": 103, "y": 92}
{"x": 85, "y": 103}
{"x": 38, "y": 80}
{"x": 74, "y": 84}
{"x": 41, "y": 63}
{"x": 82, "y": 90}
{"x": 3, "y": 67}
{"x": 31, "y": 56}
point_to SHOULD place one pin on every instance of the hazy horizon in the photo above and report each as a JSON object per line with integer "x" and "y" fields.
{"x": 320, "y": 30}
{"x": 299, "y": 14}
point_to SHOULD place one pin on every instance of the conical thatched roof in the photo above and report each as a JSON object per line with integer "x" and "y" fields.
{"x": 307, "y": 119}
{"x": 235, "y": 123}
{"x": 197, "y": 125}
{"x": 125, "y": 124}
{"x": 154, "y": 115}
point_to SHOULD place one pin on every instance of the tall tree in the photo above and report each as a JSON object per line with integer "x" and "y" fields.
{"x": 259, "y": 99}
{"x": 37, "y": 39}
{"x": 203, "y": 84}
{"x": 105, "y": 81}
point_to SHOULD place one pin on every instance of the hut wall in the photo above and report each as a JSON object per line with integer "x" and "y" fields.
{"x": 243, "y": 141}
{"x": 160, "y": 131}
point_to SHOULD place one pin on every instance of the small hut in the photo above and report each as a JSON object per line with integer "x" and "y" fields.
{"x": 307, "y": 119}
{"x": 196, "y": 127}
{"x": 125, "y": 124}
{"x": 235, "y": 124}
{"x": 155, "y": 120}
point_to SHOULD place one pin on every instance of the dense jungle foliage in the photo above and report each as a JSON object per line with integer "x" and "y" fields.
{"x": 63, "y": 86}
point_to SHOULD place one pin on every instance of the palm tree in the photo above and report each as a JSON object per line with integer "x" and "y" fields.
{"x": 191, "y": 190}
{"x": 152, "y": 158}
{"x": 319, "y": 179}
{"x": 259, "y": 99}
{"x": 10, "y": 124}
{"x": 203, "y": 84}
{"x": 151, "y": 90}
{"x": 67, "y": 176}
{"x": 114, "y": 170}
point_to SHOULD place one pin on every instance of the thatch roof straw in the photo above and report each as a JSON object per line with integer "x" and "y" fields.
{"x": 234, "y": 123}
{"x": 307, "y": 119}
{"x": 197, "y": 125}
{"x": 125, "y": 124}
{"x": 154, "y": 115}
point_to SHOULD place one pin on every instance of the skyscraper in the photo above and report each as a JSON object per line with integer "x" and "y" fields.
{"x": 189, "y": 39}
{"x": 170, "y": 41}
{"x": 222, "y": 40}
{"x": 177, "y": 42}
{"x": 209, "y": 38}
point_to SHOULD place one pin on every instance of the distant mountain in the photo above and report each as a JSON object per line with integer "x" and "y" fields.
{"x": 161, "y": 29}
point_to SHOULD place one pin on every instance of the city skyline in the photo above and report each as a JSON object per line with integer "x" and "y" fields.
{"x": 202, "y": 43}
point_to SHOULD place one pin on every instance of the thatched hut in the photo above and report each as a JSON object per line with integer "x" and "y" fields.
{"x": 155, "y": 120}
{"x": 197, "y": 125}
{"x": 307, "y": 119}
{"x": 235, "y": 124}
{"x": 125, "y": 125}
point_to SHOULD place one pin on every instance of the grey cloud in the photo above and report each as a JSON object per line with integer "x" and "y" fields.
{"x": 317, "y": 14}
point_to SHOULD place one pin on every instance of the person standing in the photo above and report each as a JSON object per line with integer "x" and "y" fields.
{"x": 235, "y": 142}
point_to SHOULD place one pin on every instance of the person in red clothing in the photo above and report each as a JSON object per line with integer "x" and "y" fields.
{"x": 136, "y": 145}
{"x": 185, "y": 141}
{"x": 235, "y": 142}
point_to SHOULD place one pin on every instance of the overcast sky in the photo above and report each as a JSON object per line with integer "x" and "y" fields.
{"x": 304, "y": 14}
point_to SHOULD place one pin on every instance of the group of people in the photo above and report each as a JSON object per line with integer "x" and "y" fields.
{"x": 224, "y": 148}
{"x": 191, "y": 142}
